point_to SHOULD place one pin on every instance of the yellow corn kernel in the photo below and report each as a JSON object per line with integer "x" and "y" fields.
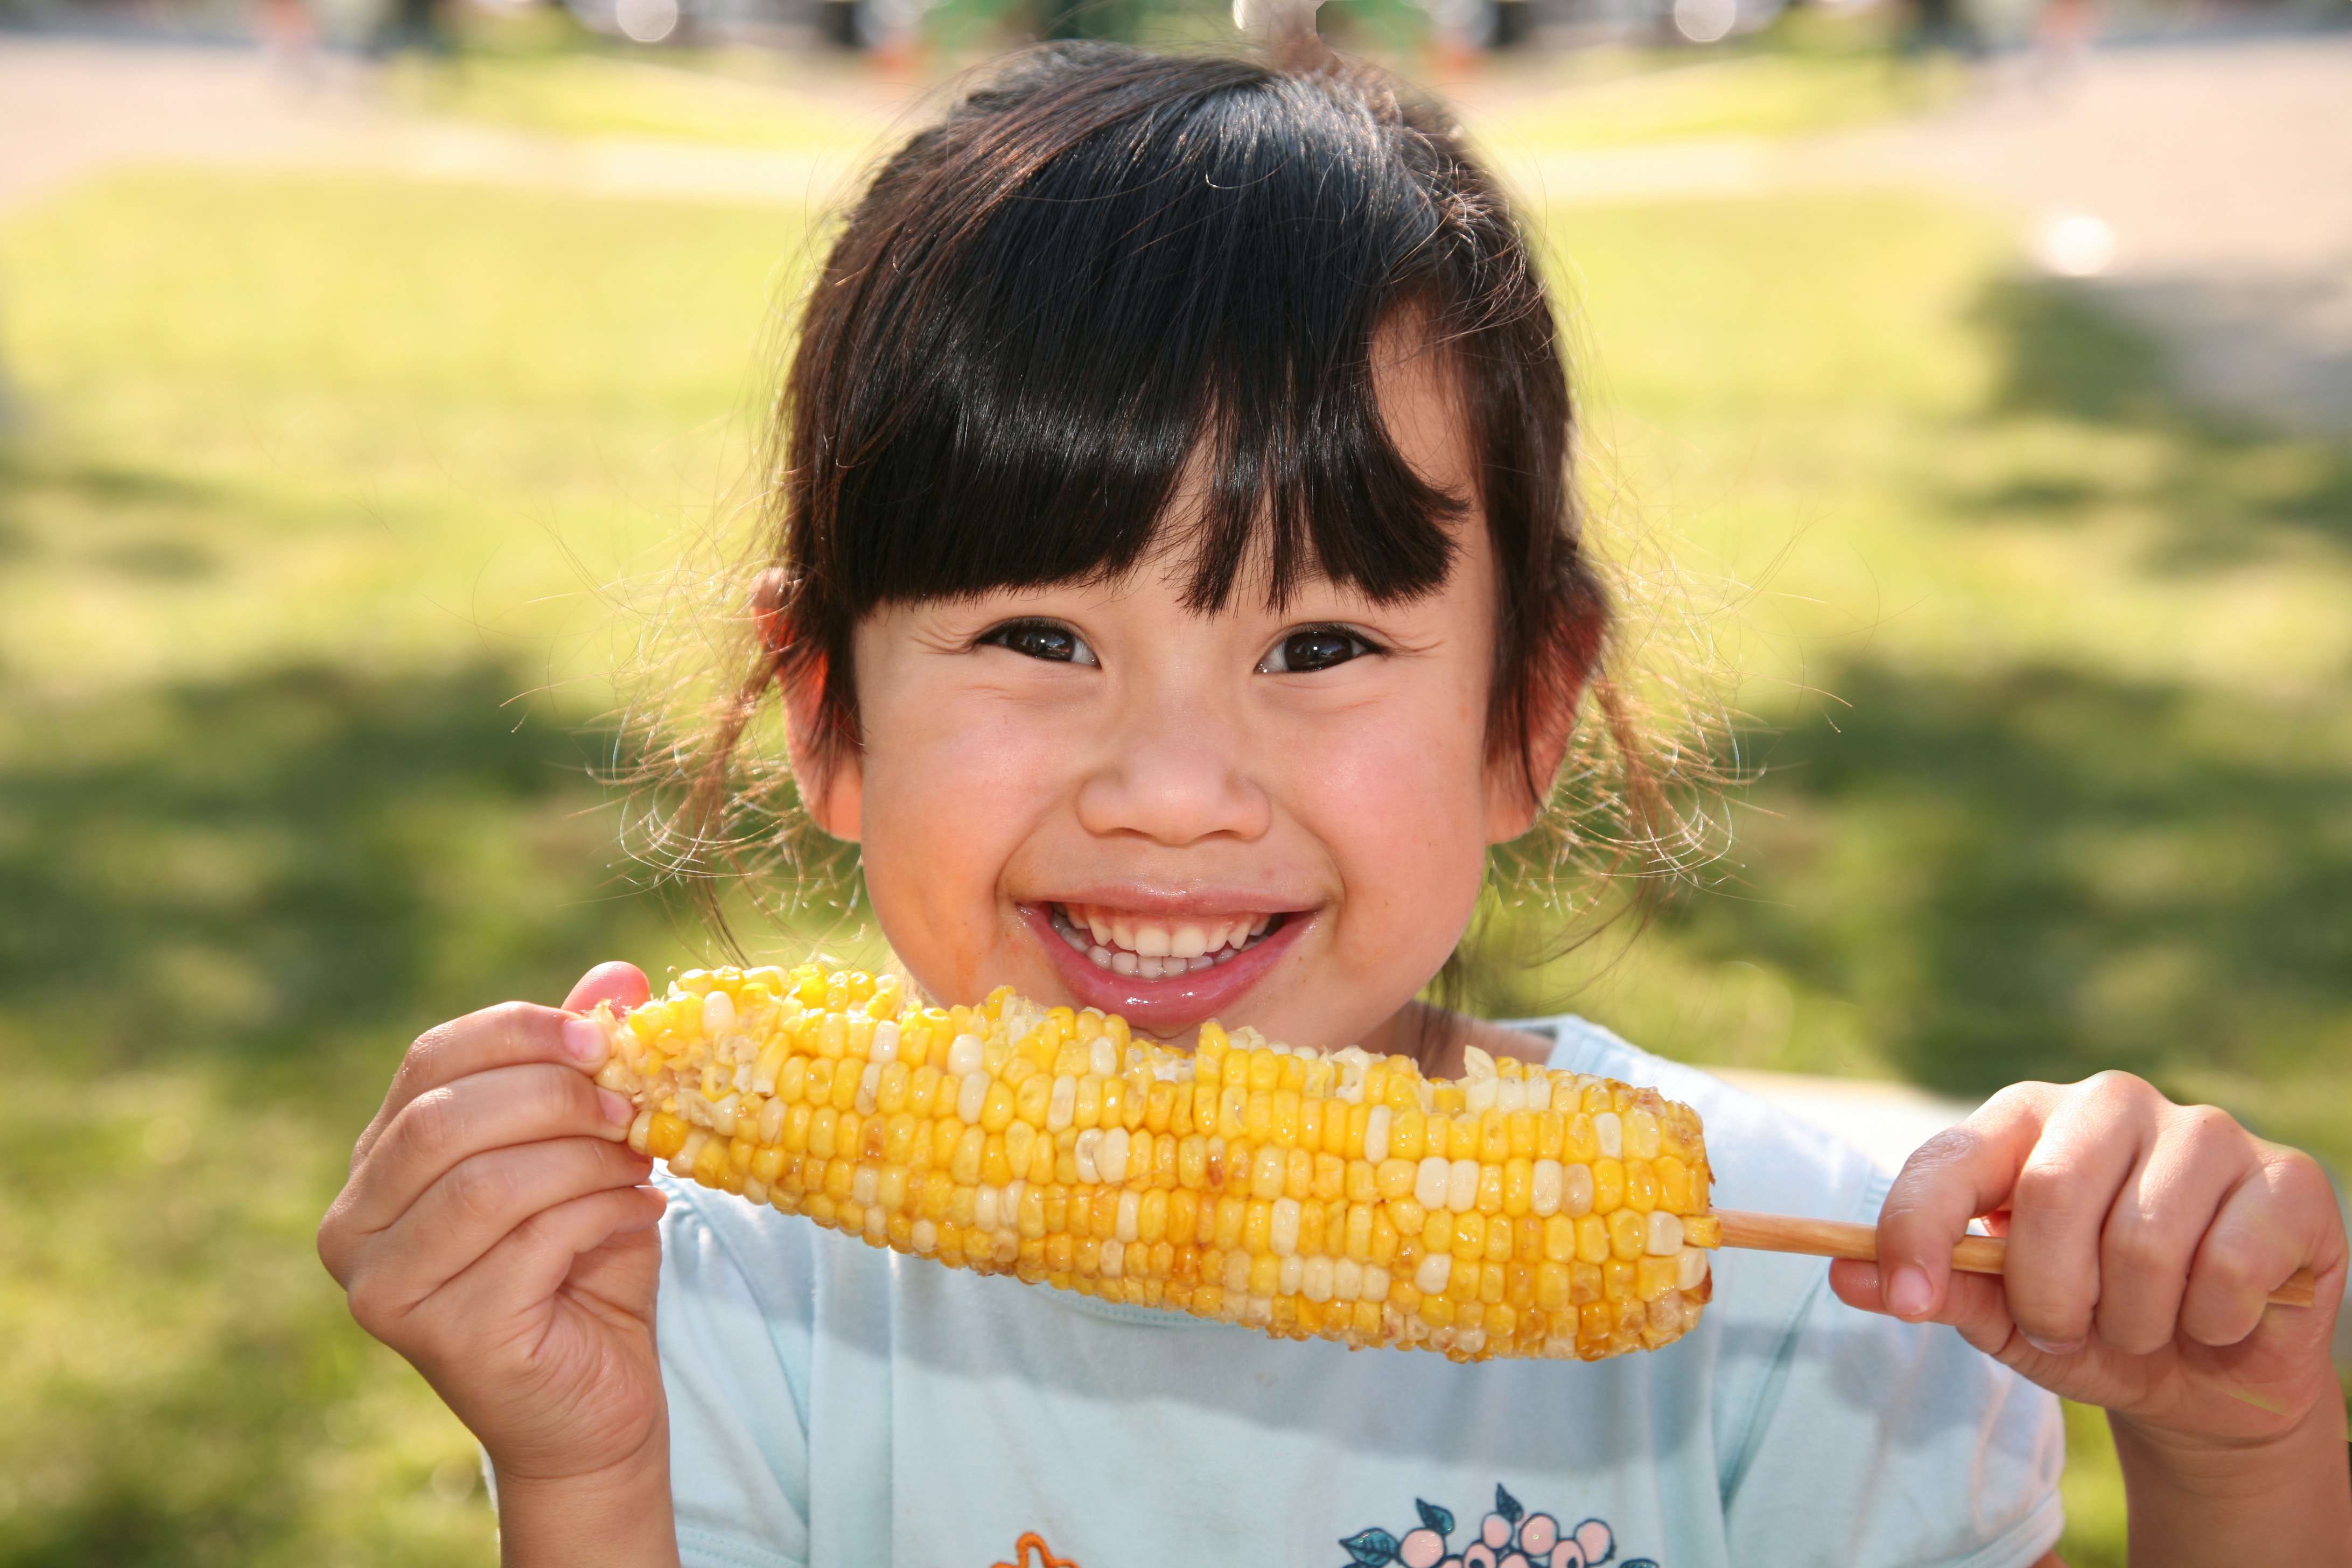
{"x": 1053, "y": 1146}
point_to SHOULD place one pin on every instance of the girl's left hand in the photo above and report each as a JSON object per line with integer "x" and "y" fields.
{"x": 2143, "y": 1239}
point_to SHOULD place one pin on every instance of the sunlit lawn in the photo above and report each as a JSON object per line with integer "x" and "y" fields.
{"x": 306, "y": 526}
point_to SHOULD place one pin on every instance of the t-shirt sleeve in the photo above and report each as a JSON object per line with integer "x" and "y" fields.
{"x": 735, "y": 1367}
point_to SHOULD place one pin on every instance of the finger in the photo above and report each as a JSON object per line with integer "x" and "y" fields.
{"x": 506, "y": 1034}
{"x": 516, "y": 1278}
{"x": 480, "y": 1202}
{"x": 1950, "y": 1180}
{"x": 2092, "y": 1138}
{"x": 2278, "y": 1219}
{"x": 2167, "y": 1204}
{"x": 622, "y": 985}
{"x": 525, "y": 1104}
{"x": 1974, "y": 1304}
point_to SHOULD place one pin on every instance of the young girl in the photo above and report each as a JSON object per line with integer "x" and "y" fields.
{"x": 1179, "y": 590}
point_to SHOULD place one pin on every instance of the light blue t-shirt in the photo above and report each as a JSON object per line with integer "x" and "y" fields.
{"x": 833, "y": 1405}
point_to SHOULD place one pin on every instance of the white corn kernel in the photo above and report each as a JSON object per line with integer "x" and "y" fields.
{"x": 1283, "y": 1234}
{"x": 1512, "y": 1096}
{"x": 985, "y": 1208}
{"x": 1089, "y": 1142}
{"x": 971, "y": 1096}
{"x": 1315, "y": 1279}
{"x": 1236, "y": 1273}
{"x": 1102, "y": 1057}
{"x": 1376, "y": 1283}
{"x": 1376, "y": 1134}
{"x": 1665, "y": 1234}
{"x": 1544, "y": 1197}
{"x": 1461, "y": 1187}
{"x": 1347, "y": 1279}
{"x": 1611, "y": 1130}
{"x": 1430, "y": 1180}
{"x": 1436, "y": 1269}
{"x": 864, "y": 1184}
{"x": 1062, "y": 1104}
{"x": 717, "y": 1012}
{"x": 965, "y": 1055}
{"x": 1690, "y": 1268}
{"x": 1290, "y": 1275}
{"x": 885, "y": 1049}
{"x": 926, "y": 1238}
{"x": 1110, "y": 1155}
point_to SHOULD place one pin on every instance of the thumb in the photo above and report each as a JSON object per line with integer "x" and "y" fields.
{"x": 622, "y": 985}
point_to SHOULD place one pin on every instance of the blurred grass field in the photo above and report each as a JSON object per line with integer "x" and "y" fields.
{"x": 311, "y": 510}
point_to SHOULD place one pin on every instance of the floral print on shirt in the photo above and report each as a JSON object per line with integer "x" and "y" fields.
{"x": 1510, "y": 1536}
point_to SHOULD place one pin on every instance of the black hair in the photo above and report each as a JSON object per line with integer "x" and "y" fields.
{"x": 1107, "y": 269}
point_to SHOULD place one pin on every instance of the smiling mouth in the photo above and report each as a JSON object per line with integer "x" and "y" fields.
{"x": 1128, "y": 944}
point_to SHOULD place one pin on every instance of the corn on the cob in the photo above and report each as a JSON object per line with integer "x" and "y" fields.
{"x": 1518, "y": 1212}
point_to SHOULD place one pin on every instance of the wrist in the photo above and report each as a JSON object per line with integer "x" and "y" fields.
{"x": 617, "y": 1517}
{"x": 2289, "y": 1491}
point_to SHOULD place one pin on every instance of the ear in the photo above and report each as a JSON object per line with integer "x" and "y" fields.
{"x": 1511, "y": 810}
{"x": 830, "y": 778}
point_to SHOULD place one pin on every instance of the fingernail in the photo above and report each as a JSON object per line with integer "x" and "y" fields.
{"x": 584, "y": 1038}
{"x": 2053, "y": 1347}
{"x": 618, "y": 1109}
{"x": 1909, "y": 1294}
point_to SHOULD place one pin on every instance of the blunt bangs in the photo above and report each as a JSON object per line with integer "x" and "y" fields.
{"x": 1108, "y": 272}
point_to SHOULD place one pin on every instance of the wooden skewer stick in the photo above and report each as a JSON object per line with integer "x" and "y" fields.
{"x": 1973, "y": 1255}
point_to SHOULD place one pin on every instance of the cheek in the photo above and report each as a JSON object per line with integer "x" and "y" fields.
{"x": 945, "y": 809}
{"x": 1399, "y": 804}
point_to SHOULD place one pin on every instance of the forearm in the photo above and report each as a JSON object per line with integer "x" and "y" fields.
{"x": 619, "y": 1518}
{"x": 2290, "y": 1501}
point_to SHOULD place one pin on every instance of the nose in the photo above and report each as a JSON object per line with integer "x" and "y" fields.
{"x": 1178, "y": 771}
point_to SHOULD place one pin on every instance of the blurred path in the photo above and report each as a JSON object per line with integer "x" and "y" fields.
{"x": 72, "y": 109}
{"x": 2224, "y": 172}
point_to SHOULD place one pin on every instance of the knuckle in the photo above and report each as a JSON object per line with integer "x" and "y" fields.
{"x": 482, "y": 1189}
{"x": 2136, "y": 1244}
{"x": 2118, "y": 1089}
{"x": 2207, "y": 1125}
{"x": 434, "y": 1123}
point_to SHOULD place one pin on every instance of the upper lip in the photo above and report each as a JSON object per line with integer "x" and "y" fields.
{"x": 1163, "y": 904}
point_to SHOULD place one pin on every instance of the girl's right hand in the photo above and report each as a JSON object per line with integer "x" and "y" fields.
{"x": 498, "y": 1232}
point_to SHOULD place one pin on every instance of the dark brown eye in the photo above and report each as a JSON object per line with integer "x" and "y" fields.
{"x": 1040, "y": 639}
{"x": 1313, "y": 649}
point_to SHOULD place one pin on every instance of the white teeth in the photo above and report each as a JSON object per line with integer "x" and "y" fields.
{"x": 1150, "y": 950}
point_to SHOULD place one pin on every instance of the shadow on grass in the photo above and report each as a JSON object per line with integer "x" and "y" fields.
{"x": 2220, "y": 489}
{"x": 2043, "y": 873}
{"x": 225, "y": 909}
{"x": 252, "y": 872}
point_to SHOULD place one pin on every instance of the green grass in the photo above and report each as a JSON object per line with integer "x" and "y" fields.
{"x": 309, "y": 530}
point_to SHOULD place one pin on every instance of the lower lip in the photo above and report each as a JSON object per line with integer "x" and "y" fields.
{"x": 1167, "y": 1007}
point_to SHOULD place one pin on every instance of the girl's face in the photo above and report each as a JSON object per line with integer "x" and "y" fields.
{"x": 1103, "y": 798}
